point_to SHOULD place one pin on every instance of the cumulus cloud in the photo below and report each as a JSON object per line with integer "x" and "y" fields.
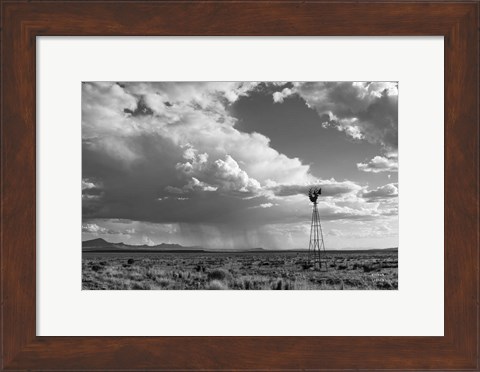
{"x": 147, "y": 241}
{"x": 387, "y": 163}
{"x": 363, "y": 110}
{"x": 88, "y": 184}
{"x": 224, "y": 174}
{"x": 93, "y": 228}
{"x": 195, "y": 184}
{"x": 91, "y": 190}
{"x": 278, "y": 97}
{"x": 383, "y": 192}
{"x": 232, "y": 176}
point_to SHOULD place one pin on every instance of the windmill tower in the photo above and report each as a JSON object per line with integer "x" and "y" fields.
{"x": 316, "y": 248}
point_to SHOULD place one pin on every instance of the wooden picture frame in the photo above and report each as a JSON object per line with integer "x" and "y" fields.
{"x": 23, "y": 21}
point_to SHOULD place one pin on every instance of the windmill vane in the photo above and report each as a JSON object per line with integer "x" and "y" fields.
{"x": 313, "y": 193}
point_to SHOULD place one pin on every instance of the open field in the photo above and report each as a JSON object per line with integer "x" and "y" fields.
{"x": 239, "y": 270}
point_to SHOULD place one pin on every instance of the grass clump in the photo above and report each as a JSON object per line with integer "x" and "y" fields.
{"x": 217, "y": 285}
{"x": 219, "y": 274}
{"x": 141, "y": 286}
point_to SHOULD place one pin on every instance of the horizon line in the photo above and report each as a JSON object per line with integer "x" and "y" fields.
{"x": 234, "y": 249}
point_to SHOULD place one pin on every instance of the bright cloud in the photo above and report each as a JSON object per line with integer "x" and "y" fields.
{"x": 388, "y": 191}
{"x": 378, "y": 164}
{"x": 278, "y": 97}
{"x": 94, "y": 228}
{"x": 147, "y": 241}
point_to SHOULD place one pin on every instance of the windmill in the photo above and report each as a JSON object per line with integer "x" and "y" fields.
{"x": 316, "y": 248}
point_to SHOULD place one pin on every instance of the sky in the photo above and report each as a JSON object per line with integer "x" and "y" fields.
{"x": 227, "y": 165}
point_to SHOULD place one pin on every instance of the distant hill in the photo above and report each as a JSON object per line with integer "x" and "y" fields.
{"x": 101, "y": 245}
{"x": 96, "y": 243}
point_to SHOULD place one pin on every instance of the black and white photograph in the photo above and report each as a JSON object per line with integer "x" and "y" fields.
{"x": 240, "y": 185}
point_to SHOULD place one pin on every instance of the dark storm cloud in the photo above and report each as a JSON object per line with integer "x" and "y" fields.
{"x": 329, "y": 188}
{"x": 130, "y": 184}
{"x": 149, "y": 187}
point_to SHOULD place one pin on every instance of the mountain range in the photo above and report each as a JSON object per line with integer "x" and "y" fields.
{"x": 101, "y": 245}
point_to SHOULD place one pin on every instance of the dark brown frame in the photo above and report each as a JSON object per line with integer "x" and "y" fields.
{"x": 22, "y": 21}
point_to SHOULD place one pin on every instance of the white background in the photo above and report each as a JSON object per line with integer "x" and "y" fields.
{"x": 63, "y": 309}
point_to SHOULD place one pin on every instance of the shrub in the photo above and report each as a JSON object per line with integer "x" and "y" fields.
{"x": 154, "y": 273}
{"x": 306, "y": 265}
{"x": 384, "y": 285}
{"x": 165, "y": 283}
{"x": 199, "y": 268}
{"x": 278, "y": 286}
{"x": 142, "y": 286}
{"x": 368, "y": 268}
{"x": 217, "y": 285}
{"x": 130, "y": 261}
{"x": 219, "y": 274}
